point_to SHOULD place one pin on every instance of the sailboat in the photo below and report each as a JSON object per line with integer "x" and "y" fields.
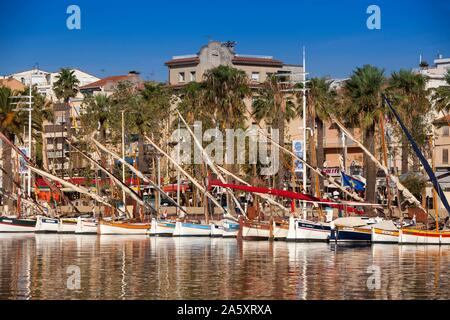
{"x": 123, "y": 227}
{"x": 86, "y": 226}
{"x": 230, "y": 228}
{"x": 46, "y": 225}
{"x": 67, "y": 225}
{"x": 161, "y": 227}
{"x": 305, "y": 230}
{"x": 15, "y": 224}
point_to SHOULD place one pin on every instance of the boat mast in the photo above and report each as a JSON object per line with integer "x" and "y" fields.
{"x": 124, "y": 199}
{"x": 178, "y": 161}
{"x": 385, "y": 158}
{"x": 304, "y": 128}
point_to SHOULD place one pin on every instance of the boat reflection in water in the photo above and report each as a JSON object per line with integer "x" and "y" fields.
{"x": 35, "y": 266}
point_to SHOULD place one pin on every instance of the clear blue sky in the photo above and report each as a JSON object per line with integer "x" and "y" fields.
{"x": 118, "y": 36}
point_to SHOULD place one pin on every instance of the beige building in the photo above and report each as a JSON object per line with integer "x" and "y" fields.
{"x": 188, "y": 68}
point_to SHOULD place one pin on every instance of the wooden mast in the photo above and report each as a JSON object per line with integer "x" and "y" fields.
{"x": 385, "y": 158}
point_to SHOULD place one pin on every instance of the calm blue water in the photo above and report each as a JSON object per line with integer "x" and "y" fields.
{"x": 138, "y": 267}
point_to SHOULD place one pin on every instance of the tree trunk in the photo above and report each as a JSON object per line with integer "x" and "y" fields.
{"x": 320, "y": 149}
{"x": 44, "y": 152}
{"x": 281, "y": 171}
{"x": 405, "y": 154}
{"x": 370, "y": 170}
{"x": 141, "y": 158}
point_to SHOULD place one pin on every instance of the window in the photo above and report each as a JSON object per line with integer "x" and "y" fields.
{"x": 445, "y": 131}
{"x": 192, "y": 76}
{"x": 181, "y": 77}
{"x": 444, "y": 155}
{"x": 255, "y": 76}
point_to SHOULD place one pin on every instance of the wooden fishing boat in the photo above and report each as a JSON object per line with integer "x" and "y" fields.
{"x": 445, "y": 237}
{"x": 304, "y": 230}
{"x": 280, "y": 230}
{"x": 86, "y": 226}
{"x": 216, "y": 230}
{"x": 190, "y": 229}
{"x": 257, "y": 230}
{"x": 415, "y": 236}
{"x": 13, "y": 224}
{"x": 46, "y": 225}
{"x": 351, "y": 234}
{"x": 117, "y": 227}
{"x": 230, "y": 229}
{"x": 161, "y": 228}
{"x": 67, "y": 225}
{"x": 384, "y": 236}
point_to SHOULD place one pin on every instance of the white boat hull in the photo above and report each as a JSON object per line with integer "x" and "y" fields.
{"x": 280, "y": 232}
{"x": 255, "y": 233}
{"x": 445, "y": 238}
{"x": 124, "y": 228}
{"x": 9, "y": 225}
{"x": 161, "y": 228}
{"x": 230, "y": 229}
{"x": 183, "y": 229}
{"x": 414, "y": 237}
{"x": 216, "y": 230}
{"x": 304, "y": 230}
{"x": 384, "y": 236}
{"x": 46, "y": 225}
{"x": 67, "y": 225}
{"x": 86, "y": 226}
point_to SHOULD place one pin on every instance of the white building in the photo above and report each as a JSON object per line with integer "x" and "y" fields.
{"x": 44, "y": 80}
{"x": 436, "y": 73}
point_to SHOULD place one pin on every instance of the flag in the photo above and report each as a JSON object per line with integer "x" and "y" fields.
{"x": 352, "y": 182}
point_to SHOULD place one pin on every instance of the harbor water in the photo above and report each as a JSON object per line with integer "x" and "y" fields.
{"x": 52, "y": 266}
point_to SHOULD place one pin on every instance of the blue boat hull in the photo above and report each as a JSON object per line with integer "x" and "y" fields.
{"x": 350, "y": 235}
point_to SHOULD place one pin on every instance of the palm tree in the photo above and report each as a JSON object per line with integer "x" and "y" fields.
{"x": 11, "y": 125}
{"x": 42, "y": 111}
{"x": 409, "y": 92}
{"x": 96, "y": 113}
{"x": 362, "y": 106}
{"x": 320, "y": 97}
{"x": 441, "y": 95}
{"x": 272, "y": 106}
{"x": 146, "y": 111}
{"x": 66, "y": 86}
{"x": 226, "y": 89}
